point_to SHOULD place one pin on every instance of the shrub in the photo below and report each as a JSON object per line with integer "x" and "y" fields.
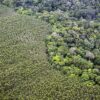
{"x": 85, "y": 77}
{"x": 98, "y": 79}
{"x": 89, "y": 83}
{"x": 76, "y": 44}
{"x": 56, "y": 58}
{"x": 25, "y": 11}
{"x": 97, "y": 60}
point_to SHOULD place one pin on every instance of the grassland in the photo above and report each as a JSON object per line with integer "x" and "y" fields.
{"x": 25, "y": 73}
{"x": 4, "y": 11}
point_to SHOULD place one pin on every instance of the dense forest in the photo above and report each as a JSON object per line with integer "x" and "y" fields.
{"x": 50, "y": 49}
{"x": 89, "y": 9}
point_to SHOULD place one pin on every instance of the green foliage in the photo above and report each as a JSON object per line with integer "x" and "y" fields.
{"x": 82, "y": 63}
{"x": 8, "y": 2}
{"x": 75, "y": 8}
{"x": 85, "y": 77}
{"x": 89, "y": 83}
{"x": 97, "y": 60}
{"x": 56, "y": 58}
{"x": 24, "y": 69}
{"x": 98, "y": 79}
{"x": 73, "y": 48}
{"x": 71, "y": 70}
{"x": 76, "y": 46}
{"x": 24, "y": 11}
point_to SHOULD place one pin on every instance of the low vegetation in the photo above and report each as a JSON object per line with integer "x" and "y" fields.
{"x": 50, "y": 50}
{"x": 4, "y": 11}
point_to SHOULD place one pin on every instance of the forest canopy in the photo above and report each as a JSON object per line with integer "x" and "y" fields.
{"x": 78, "y": 8}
